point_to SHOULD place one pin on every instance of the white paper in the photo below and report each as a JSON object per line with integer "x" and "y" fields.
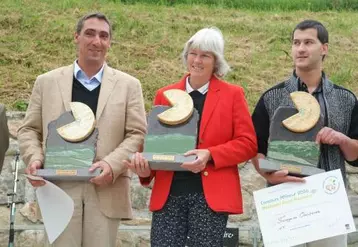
{"x": 56, "y": 208}
{"x": 296, "y": 213}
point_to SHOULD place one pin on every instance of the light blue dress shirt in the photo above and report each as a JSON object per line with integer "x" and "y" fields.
{"x": 89, "y": 83}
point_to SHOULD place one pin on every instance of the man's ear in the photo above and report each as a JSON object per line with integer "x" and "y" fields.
{"x": 76, "y": 37}
{"x": 325, "y": 49}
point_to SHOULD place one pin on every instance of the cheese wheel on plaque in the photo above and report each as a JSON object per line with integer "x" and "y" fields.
{"x": 308, "y": 114}
{"x": 83, "y": 125}
{"x": 181, "y": 110}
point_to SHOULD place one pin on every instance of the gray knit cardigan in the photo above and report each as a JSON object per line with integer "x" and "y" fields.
{"x": 340, "y": 107}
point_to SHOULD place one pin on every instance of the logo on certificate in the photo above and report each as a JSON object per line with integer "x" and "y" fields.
{"x": 331, "y": 185}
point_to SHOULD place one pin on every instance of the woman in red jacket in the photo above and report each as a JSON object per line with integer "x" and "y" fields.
{"x": 191, "y": 208}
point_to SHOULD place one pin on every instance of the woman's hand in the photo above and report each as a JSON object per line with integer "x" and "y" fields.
{"x": 138, "y": 165}
{"x": 203, "y": 156}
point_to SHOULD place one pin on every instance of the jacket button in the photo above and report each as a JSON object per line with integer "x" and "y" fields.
{"x": 206, "y": 173}
{"x": 201, "y": 141}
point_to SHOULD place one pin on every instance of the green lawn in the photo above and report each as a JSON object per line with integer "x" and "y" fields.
{"x": 37, "y": 36}
{"x": 311, "y": 5}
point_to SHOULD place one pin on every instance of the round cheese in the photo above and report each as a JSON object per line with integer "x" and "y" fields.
{"x": 181, "y": 110}
{"x": 308, "y": 114}
{"x": 83, "y": 125}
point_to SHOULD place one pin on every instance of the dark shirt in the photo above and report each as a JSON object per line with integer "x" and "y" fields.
{"x": 186, "y": 182}
{"x": 81, "y": 94}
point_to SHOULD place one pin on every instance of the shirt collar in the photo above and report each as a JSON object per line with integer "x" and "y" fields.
{"x": 203, "y": 90}
{"x": 78, "y": 72}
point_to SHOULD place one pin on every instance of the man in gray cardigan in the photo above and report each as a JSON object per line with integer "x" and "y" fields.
{"x": 339, "y": 107}
{"x": 4, "y": 135}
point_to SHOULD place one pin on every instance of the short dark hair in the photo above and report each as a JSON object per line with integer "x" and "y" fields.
{"x": 322, "y": 33}
{"x": 97, "y": 15}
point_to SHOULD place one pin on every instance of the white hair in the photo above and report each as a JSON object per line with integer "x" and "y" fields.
{"x": 209, "y": 40}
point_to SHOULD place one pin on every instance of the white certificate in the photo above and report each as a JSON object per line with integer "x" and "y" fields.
{"x": 295, "y": 213}
{"x": 56, "y": 208}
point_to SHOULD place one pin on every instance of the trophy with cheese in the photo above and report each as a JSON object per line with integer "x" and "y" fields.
{"x": 292, "y": 137}
{"x": 71, "y": 145}
{"x": 172, "y": 131}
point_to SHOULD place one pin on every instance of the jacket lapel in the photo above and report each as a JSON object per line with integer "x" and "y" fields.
{"x": 107, "y": 85}
{"x": 182, "y": 83}
{"x": 65, "y": 84}
{"x": 211, "y": 101}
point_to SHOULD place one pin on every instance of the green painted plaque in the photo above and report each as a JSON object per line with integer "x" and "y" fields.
{"x": 68, "y": 160}
{"x": 296, "y": 152}
{"x": 164, "y": 145}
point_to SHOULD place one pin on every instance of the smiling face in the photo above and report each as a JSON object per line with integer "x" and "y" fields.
{"x": 200, "y": 64}
{"x": 93, "y": 42}
{"x": 307, "y": 50}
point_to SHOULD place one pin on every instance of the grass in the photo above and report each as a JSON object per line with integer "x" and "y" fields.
{"x": 37, "y": 36}
{"x": 287, "y": 5}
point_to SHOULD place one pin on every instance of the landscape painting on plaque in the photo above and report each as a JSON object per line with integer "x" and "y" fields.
{"x": 172, "y": 131}
{"x": 71, "y": 145}
{"x": 292, "y": 137}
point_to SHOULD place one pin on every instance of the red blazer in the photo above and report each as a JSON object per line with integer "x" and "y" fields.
{"x": 227, "y": 131}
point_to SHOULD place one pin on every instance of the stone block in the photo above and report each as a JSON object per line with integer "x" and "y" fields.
{"x": 13, "y": 147}
{"x": 248, "y": 209}
{"x": 31, "y": 211}
{"x": 353, "y": 201}
{"x": 351, "y": 169}
{"x": 140, "y": 196}
{"x": 250, "y": 179}
{"x": 7, "y": 182}
{"x": 353, "y": 183}
{"x": 353, "y": 237}
{"x": 30, "y": 238}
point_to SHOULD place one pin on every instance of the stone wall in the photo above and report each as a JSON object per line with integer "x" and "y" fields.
{"x": 134, "y": 233}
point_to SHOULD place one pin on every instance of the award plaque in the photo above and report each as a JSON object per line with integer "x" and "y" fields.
{"x": 172, "y": 131}
{"x": 292, "y": 138}
{"x": 71, "y": 145}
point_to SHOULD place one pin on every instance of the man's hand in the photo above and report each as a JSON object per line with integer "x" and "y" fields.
{"x": 348, "y": 146}
{"x": 277, "y": 177}
{"x": 330, "y": 136}
{"x": 203, "y": 156}
{"x": 281, "y": 176}
{"x": 31, "y": 170}
{"x": 106, "y": 176}
{"x": 139, "y": 165}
